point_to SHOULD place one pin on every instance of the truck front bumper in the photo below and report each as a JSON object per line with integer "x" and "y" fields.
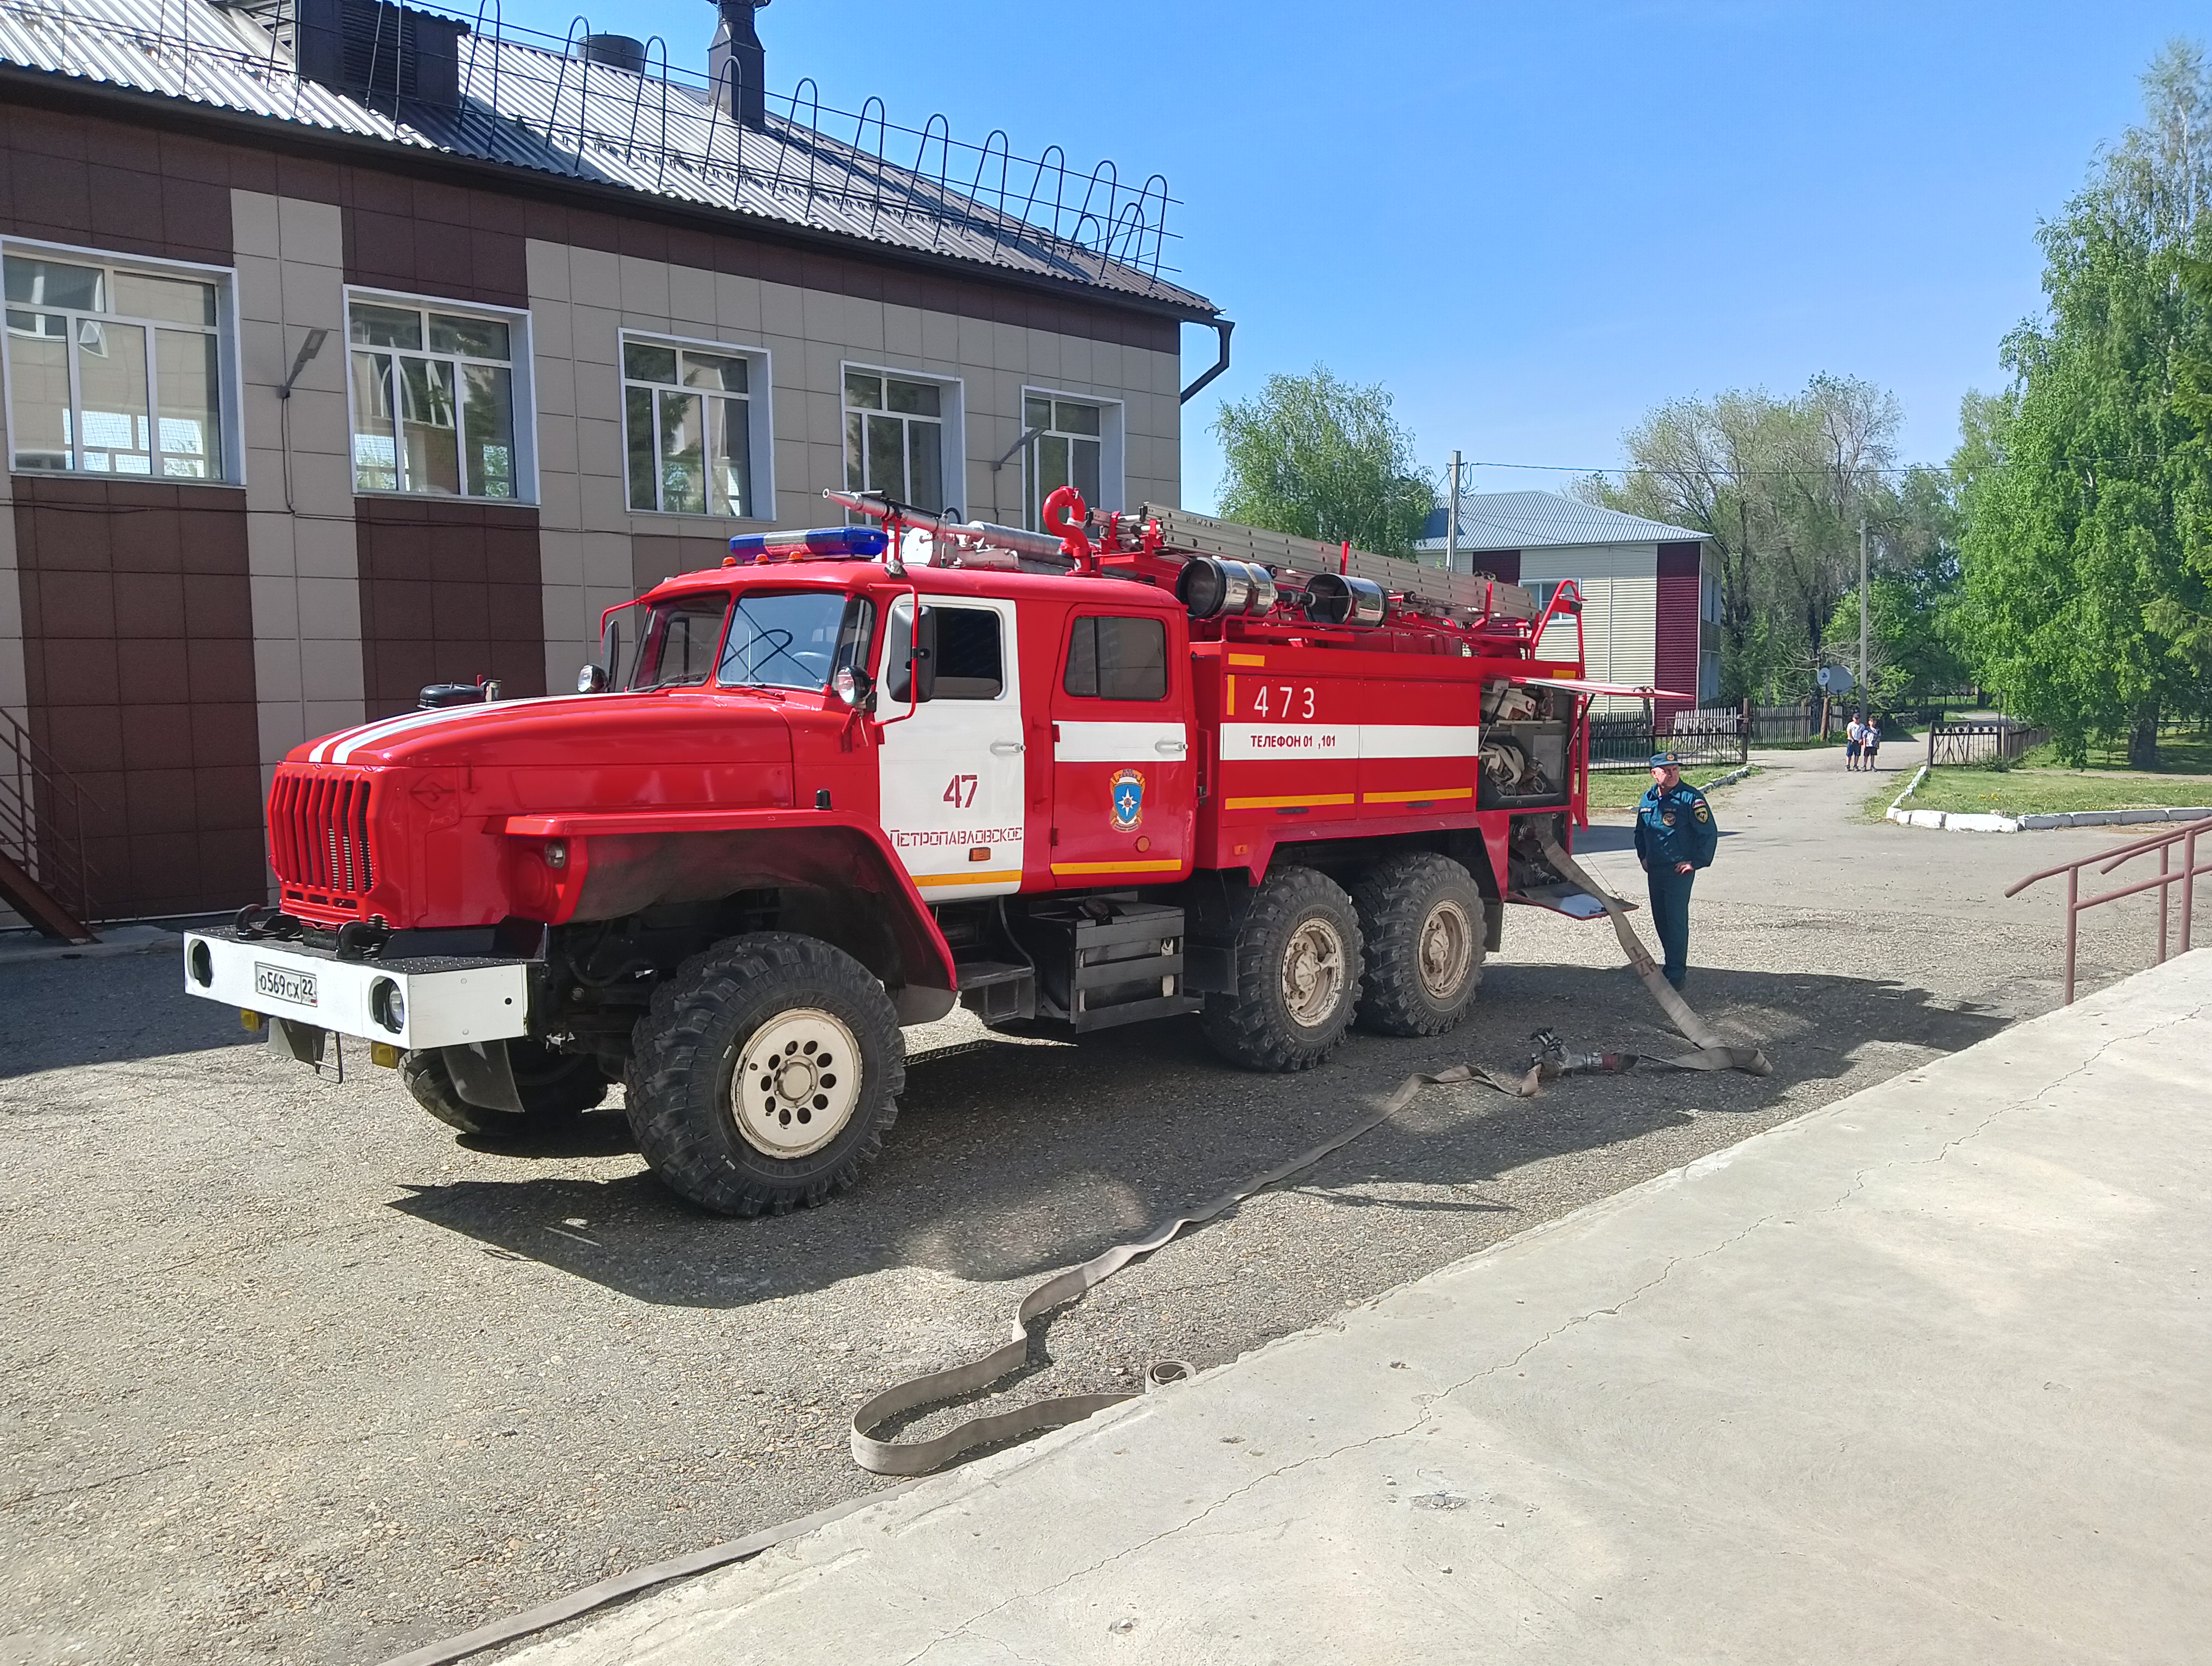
{"x": 412, "y": 1005}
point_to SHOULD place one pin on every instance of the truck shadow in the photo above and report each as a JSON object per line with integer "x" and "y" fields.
{"x": 1018, "y": 1158}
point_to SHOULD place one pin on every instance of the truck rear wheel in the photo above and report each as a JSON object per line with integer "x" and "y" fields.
{"x": 765, "y": 1074}
{"x": 1422, "y": 916}
{"x": 1298, "y": 975}
{"x": 555, "y": 1090}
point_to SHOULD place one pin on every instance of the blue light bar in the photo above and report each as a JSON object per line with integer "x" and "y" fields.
{"x": 823, "y": 543}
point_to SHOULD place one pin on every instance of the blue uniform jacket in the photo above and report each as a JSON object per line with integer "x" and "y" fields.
{"x": 1675, "y": 827}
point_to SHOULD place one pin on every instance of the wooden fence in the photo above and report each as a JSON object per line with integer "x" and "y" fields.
{"x": 1956, "y": 744}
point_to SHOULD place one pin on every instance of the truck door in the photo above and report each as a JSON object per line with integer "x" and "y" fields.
{"x": 951, "y": 772}
{"x": 1124, "y": 778}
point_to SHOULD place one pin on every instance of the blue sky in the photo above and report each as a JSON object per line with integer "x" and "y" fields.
{"x": 1532, "y": 223}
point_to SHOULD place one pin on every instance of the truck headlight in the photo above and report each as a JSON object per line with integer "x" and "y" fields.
{"x": 387, "y": 1004}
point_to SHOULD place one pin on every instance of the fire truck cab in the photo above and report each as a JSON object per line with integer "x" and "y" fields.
{"x": 853, "y": 777}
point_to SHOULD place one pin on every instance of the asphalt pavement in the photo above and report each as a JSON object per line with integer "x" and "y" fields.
{"x": 291, "y": 1374}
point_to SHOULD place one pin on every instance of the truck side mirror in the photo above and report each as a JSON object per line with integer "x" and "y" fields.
{"x": 925, "y": 656}
{"x": 611, "y": 654}
{"x": 910, "y": 662}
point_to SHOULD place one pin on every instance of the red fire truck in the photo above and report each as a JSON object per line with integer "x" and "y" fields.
{"x": 1144, "y": 764}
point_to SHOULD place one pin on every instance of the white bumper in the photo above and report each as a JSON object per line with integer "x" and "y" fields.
{"x": 440, "y": 1004}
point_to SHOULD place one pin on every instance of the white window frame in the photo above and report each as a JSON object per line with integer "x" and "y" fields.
{"x": 953, "y": 452}
{"x": 230, "y": 392}
{"x": 1113, "y": 446}
{"x": 760, "y": 422}
{"x": 522, "y": 380}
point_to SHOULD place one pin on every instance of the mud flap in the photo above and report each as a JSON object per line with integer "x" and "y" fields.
{"x": 484, "y": 1075}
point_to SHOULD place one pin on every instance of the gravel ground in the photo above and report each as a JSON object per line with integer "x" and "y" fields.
{"x": 292, "y": 1375}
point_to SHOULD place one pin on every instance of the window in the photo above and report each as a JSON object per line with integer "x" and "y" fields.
{"x": 969, "y": 666}
{"x": 1115, "y": 659}
{"x": 794, "y": 640}
{"x": 1068, "y": 452}
{"x": 1547, "y": 588}
{"x": 433, "y": 400}
{"x": 680, "y": 641}
{"x": 895, "y": 437}
{"x": 687, "y": 420}
{"x": 113, "y": 370}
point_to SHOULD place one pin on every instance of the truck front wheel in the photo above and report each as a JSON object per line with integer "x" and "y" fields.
{"x": 1298, "y": 975}
{"x": 1422, "y": 918}
{"x": 764, "y": 1074}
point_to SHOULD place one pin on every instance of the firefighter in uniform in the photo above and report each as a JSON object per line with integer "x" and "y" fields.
{"x": 1675, "y": 837}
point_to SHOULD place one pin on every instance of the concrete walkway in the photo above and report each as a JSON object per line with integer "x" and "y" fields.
{"x": 1918, "y": 1376}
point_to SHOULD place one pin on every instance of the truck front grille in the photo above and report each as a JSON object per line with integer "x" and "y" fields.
{"x": 318, "y": 839}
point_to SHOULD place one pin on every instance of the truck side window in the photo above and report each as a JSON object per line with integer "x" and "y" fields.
{"x": 969, "y": 662}
{"x": 1117, "y": 658}
{"x": 969, "y": 666}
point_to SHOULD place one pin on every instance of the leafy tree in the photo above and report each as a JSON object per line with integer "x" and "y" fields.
{"x": 2084, "y": 486}
{"x": 1778, "y": 487}
{"x": 1317, "y": 457}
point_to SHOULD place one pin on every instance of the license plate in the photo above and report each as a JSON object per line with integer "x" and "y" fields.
{"x": 283, "y": 983}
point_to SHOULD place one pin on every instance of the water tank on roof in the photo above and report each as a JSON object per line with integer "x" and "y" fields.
{"x": 620, "y": 52}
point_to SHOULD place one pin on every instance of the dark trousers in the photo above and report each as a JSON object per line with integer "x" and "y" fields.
{"x": 1670, "y": 918}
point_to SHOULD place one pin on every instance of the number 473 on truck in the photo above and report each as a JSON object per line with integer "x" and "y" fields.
{"x": 1139, "y": 765}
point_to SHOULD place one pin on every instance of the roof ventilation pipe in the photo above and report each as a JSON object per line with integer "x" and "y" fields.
{"x": 618, "y": 52}
{"x": 736, "y": 66}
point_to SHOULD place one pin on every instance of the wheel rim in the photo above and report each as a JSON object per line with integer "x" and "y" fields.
{"x": 797, "y": 1083}
{"x": 1446, "y": 950}
{"x": 1313, "y": 973}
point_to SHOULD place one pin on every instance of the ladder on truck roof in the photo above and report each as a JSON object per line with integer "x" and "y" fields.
{"x": 1185, "y": 530}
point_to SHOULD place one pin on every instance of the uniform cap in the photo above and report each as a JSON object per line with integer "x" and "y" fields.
{"x": 1665, "y": 760}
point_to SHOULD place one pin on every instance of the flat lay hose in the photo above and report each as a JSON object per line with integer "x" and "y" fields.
{"x": 884, "y": 1457}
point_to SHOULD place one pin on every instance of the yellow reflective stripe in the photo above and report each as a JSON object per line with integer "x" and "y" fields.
{"x": 1297, "y": 801}
{"x": 1248, "y": 660}
{"x": 1423, "y": 796}
{"x": 1117, "y": 867}
{"x": 983, "y": 878}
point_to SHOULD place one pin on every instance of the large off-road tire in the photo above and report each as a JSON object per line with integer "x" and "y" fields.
{"x": 1298, "y": 975}
{"x": 1422, "y": 917}
{"x": 555, "y": 1089}
{"x": 764, "y": 1074}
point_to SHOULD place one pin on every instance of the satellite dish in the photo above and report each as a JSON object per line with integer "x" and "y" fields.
{"x": 1835, "y": 679}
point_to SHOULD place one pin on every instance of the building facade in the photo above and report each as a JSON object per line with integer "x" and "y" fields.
{"x": 306, "y": 411}
{"x": 1650, "y": 592}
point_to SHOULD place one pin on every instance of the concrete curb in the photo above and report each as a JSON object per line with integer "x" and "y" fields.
{"x": 1959, "y": 821}
{"x": 1729, "y": 779}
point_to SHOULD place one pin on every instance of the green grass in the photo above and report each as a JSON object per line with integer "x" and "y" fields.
{"x": 2023, "y": 791}
{"x": 2178, "y": 754}
{"x": 1620, "y": 789}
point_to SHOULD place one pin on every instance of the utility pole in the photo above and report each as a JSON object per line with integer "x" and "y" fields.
{"x": 1451, "y": 521}
{"x": 1863, "y": 701}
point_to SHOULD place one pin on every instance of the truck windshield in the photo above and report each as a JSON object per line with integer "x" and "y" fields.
{"x": 679, "y": 644}
{"x": 795, "y": 640}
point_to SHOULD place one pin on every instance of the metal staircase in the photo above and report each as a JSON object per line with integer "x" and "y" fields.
{"x": 45, "y": 875}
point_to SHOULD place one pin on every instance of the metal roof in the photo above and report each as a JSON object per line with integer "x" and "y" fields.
{"x": 530, "y": 106}
{"x": 1542, "y": 520}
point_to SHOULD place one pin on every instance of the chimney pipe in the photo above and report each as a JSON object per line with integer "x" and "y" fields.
{"x": 737, "y": 64}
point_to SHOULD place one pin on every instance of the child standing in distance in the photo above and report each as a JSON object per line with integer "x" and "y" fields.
{"x": 1851, "y": 745}
{"x": 1869, "y": 742}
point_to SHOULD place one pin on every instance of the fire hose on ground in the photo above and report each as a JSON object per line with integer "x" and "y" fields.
{"x": 914, "y": 1458}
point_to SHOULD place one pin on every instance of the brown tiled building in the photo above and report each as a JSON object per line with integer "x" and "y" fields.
{"x": 322, "y": 389}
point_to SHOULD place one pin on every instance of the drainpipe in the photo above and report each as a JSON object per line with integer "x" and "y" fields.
{"x": 1223, "y": 327}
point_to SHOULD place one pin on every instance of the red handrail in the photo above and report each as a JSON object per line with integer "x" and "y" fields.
{"x": 2162, "y": 842}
